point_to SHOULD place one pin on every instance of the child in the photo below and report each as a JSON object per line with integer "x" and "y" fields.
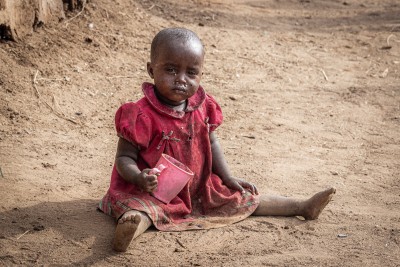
{"x": 176, "y": 117}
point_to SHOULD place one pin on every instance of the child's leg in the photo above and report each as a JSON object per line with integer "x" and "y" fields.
{"x": 131, "y": 224}
{"x": 283, "y": 206}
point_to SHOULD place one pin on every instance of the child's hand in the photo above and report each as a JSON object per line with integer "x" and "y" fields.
{"x": 147, "y": 182}
{"x": 241, "y": 185}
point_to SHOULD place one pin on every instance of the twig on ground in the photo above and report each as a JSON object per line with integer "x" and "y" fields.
{"x": 27, "y": 231}
{"x": 60, "y": 115}
{"x": 57, "y": 106}
{"x": 394, "y": 27}
{"x": 118, "y": 77}
{"x": 35, "y": 76}
{"x": 1, "y": 173}
{"x": 388, "y": 39}
{"x": 46, "y": 79}
{"x": 34, "y": 84}
{"x": 77, "y": 15}
{"x": 180, "y": 243}
{"x": 384, "y": 73}
{"x": 326, "y": 77}
{"x": 90, "y": 92}
{"x": 154, "y": 5}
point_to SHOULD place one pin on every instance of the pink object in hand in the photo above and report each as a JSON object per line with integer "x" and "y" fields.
{"x": 173, "y": 177}
{"x": 157, "y": 170}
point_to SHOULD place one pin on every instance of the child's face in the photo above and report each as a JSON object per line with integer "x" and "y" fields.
{"x": 177, "y": 71}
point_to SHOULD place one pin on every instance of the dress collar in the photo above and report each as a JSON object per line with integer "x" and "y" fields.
{"x": 194, "y": 102}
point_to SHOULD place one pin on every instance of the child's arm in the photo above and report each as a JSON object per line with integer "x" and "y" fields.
{"x": 125, "y": 162}
{"x": 220, "y": 167}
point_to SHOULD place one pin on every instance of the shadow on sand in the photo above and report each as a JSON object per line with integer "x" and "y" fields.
{"x": 72, "y": 232}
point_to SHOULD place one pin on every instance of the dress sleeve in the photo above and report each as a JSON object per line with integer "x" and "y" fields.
{"x": 133, "y": 125}
{"x": 214, "y": 113}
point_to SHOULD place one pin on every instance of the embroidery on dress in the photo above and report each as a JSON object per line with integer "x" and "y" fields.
{"x": 209, "y": 125}
{"x": 166, "y": 137}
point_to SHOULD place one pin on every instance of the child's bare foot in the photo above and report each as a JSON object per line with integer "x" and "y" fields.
{"x": 314, "y": 206}
{"x": 126, "y": 228}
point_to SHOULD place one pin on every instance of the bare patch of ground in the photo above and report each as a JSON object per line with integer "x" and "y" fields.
{"x": 310, "y": 93}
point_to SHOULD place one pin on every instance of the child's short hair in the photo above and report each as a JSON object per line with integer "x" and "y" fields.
{"x": 171, "y": 34}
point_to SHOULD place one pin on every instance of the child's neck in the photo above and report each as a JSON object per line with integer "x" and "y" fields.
{"x": 180, "y": 107}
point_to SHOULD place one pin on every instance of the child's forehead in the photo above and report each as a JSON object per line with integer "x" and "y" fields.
{"x": 188, "y": 48}
{"x": 174, "y": 45}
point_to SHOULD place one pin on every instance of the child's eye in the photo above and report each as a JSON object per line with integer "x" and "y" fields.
{"x": 171, "y": 70}
{"x": 193, "y": 72}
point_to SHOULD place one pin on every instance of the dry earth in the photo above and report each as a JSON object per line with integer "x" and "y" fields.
{"x": 310, "y": 90}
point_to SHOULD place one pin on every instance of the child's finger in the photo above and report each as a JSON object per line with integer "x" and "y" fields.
{"x": 146, "y": 171}
{"x": 251, "y": 187}
{"x": 152, "y": 182}
{"x": 240, "y": 188}
{"x": 151, "y": 178}
{"x": 151, "y": 188}
{"x": 255, "y": 189}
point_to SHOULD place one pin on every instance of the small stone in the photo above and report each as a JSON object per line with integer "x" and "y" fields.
{"x": 38, "y": 228}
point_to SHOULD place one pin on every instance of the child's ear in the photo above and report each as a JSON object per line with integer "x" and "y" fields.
{"x": 150, "y": 70}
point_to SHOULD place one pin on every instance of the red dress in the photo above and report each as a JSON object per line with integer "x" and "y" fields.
{"x": 205, "y": 202}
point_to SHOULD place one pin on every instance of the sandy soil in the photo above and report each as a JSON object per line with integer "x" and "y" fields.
{"x": 310, "y": 92}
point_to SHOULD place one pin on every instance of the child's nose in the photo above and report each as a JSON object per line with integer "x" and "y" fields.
{"x": 180, "y": 78}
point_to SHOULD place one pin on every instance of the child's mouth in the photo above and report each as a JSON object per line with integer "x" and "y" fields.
{"x": 181, "y": 89}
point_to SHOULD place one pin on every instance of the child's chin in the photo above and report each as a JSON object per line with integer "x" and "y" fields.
{"x": 178, "y": 100}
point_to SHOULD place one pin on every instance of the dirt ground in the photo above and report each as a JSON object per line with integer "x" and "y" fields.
{"x": 310, "y": 91}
